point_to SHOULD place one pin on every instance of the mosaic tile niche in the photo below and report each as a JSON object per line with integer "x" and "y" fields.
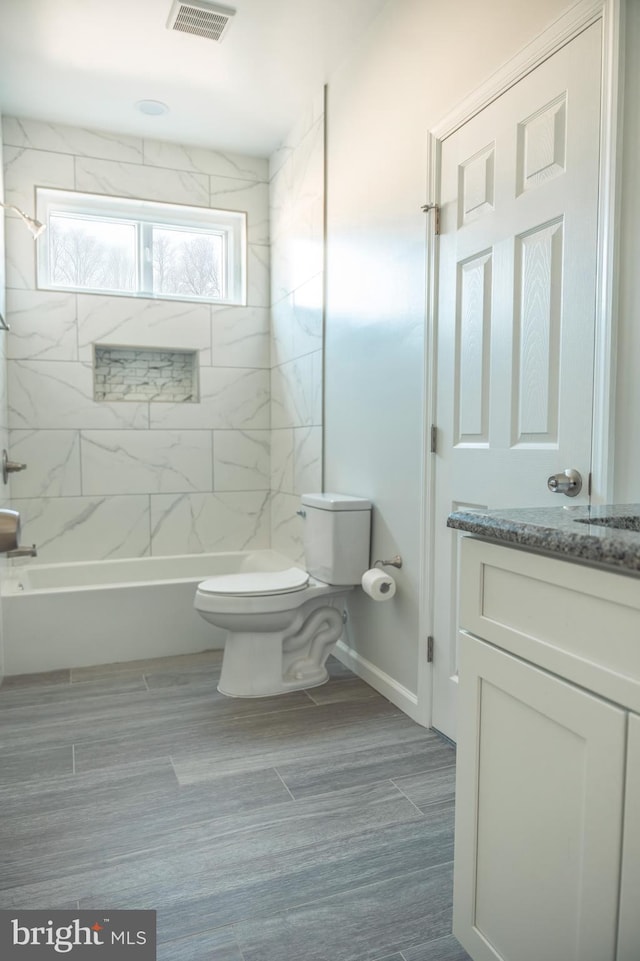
{"x": 127, "y": 374}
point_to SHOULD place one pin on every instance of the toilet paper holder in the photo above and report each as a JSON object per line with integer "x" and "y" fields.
{"x": 396, "y": 561}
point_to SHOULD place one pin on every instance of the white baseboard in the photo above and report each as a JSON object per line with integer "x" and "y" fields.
{"x": 395, "y": 692}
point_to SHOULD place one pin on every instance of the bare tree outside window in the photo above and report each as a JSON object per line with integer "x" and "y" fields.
{"x": 140, "y": 248}
{"x": 187, "y": 263}
{"x": 92, "y": 254}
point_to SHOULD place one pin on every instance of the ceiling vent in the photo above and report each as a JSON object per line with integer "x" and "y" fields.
{"x": 203, "y": 19}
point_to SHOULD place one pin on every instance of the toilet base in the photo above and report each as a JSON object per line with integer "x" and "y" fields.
{"x": 264, "y": 652}
{"x": 264, "y": 664}
{"x": 282, "y": 689}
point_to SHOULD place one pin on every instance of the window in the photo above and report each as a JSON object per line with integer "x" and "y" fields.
{"x": 140, "y": 248}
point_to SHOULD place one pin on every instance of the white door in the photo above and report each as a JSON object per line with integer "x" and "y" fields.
{"x": 516, "y": 311}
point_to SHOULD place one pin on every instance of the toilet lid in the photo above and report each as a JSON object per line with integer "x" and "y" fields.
{"x": 256, "y": 582}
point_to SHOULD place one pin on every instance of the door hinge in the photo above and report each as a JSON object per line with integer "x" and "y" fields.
{"x": 434, "y": 439}
{"x": 429, "y": 650}
{"x": 436, "y": 216}
{"x": 589, "y": 483}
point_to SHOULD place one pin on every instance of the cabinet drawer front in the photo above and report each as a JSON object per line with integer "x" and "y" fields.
{"x": 539, "y": 800}
{"x": 576, "y": 621}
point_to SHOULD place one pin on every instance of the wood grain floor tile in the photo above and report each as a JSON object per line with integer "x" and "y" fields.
{"x": 324, "y": 731}
{"x": 198, "y": 857}
{"x": 206, "y": 677}
{"x": 172, "y": 728}
{"x": 65, "y": 695}
{"x": 443, "y": 949}
{"x": 423, "y": 752}
{"x": 387, "y": 916}
{"x": 317, "y": 825}
{"x": 61, "y": 793}
{"x": 429, "y": 786}
{"x": 116, "y": 823}
{"x": 35, "y": 680}
{"x": 217, "y": 945}
{"x": 137, "y": 718}
{"x": 28, "y": 765}
{"x": 320, "y": 870}
{"x": 342, "y": 689}
{"x": 181, "y": 662}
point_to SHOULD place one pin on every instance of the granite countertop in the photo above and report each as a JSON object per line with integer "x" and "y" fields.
{"x": 582, "y": 534}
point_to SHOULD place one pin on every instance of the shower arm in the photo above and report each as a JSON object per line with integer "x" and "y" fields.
{"x": 34, "y": 226}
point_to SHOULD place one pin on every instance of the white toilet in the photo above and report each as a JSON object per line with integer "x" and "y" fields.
{"x": 283, "y": 624}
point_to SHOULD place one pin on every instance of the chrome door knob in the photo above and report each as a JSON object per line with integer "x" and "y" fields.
{"x": 569, "y": 482}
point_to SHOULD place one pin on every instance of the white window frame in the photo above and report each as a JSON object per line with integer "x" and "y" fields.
{"x": 145, "y": 214}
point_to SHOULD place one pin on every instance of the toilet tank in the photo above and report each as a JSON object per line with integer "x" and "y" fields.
{"x": 337, "y": 530}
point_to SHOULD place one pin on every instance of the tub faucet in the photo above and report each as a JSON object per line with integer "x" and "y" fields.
{"x": 23, "y": 552}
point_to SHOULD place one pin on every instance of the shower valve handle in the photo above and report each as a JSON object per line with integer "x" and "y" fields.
{"x": 10, "y": 466}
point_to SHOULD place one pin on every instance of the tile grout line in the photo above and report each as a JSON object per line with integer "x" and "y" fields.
{"x": 175, "y": 773}
{"x": 391, "y": 781}
{"x": 361, "y": 784}
{"x": 235, "y": 937}
{"x": 428, "y": 770}
{"x": 284, "y": 783}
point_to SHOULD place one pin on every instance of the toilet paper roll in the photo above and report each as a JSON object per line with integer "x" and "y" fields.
{"x": 378, "y": 585}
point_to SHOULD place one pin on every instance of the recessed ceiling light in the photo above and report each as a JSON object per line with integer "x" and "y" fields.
{"x": 153, "y": 108}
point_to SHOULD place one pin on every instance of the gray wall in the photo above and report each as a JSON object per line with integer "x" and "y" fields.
{"x": 416, "y": 64}
{"x": 627, "y": 440}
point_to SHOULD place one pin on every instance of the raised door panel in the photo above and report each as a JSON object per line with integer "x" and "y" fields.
{"x": 538, "y": 813}
{"x": 629, "y": 935}
{"x": 536, "y": 335}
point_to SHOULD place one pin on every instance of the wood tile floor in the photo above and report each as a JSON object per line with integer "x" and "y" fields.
{"x": 316, "y": 826}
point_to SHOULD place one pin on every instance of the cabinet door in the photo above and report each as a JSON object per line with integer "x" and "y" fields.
{"x": 629, "y": 938}
{"x": 539, "y": 802}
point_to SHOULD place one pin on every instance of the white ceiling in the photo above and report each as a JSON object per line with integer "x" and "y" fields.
{"x": 87, "y": 62}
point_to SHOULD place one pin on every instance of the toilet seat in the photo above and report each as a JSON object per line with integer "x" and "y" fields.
{"x": 256, "y": 583}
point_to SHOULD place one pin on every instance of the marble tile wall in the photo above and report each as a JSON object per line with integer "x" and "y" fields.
{"x": 297, "y": 313}
{"x": 122, "y": 479}
{"x": 4, "y": 416}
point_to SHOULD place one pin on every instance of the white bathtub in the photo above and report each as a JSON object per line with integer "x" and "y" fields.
{"x": 99, "y": 612}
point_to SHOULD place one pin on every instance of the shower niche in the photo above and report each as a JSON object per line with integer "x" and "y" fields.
{"x": 145, "y": 374}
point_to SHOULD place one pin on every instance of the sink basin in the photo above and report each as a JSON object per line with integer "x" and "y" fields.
{"x": 629, "y": 523}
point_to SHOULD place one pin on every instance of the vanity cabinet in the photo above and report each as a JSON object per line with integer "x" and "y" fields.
{"x": 629, "y": 943}
{"x": 547, "y": 857}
